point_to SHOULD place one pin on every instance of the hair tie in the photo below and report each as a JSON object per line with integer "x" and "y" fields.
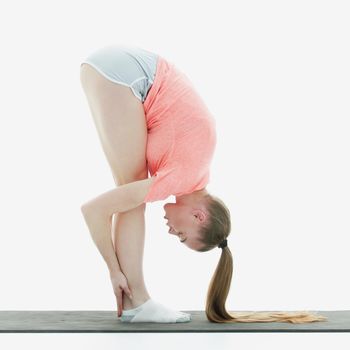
{"x": 223, "y": 244}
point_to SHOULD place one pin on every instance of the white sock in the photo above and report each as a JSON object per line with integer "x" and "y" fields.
{"x": 152, "y": 311}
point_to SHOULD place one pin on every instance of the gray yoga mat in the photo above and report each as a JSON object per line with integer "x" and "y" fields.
{"x": 108, "y": 322}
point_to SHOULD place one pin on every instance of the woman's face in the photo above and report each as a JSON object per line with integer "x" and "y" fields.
{"x": 184, "y": 220}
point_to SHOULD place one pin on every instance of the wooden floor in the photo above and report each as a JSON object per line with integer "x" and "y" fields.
{"x": 108, "y": 322}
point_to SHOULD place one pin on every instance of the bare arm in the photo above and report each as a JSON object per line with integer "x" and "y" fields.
{"x": 121, "y": 199}
{"x": 98, "y": 213}
{"x": 99, "y": 226}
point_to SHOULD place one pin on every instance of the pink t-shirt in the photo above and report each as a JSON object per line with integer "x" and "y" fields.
{"x": 181, "y": 134}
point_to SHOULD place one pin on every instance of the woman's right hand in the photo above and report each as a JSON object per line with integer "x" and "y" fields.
{"x": 120, "y": 285}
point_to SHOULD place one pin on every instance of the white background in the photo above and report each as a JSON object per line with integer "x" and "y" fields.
{"x": 275, "y": 74}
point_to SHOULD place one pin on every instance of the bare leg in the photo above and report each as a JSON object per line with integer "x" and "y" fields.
{"x": 128, "y": 231}
{"x": 121, "y": 125}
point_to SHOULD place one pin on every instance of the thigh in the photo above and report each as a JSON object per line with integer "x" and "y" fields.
{"x": 121, "y": 125}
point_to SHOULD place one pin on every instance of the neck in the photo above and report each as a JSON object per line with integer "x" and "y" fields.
{"x": 192, "y": 196}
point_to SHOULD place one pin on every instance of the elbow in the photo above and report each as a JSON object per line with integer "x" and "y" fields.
{"x": 90, "y": 212}
{"x": 85, "y": 208}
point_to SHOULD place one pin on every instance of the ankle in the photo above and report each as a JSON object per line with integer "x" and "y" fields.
{"x": 136, "y": 301}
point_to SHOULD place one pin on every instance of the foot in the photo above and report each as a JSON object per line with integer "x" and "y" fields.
{"x": 152, "y": 311}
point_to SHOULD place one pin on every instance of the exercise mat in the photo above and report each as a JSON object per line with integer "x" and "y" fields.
{"x": 86, "y": 321}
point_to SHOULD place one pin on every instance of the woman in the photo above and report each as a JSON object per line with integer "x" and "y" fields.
{"x": 149, "y": 117}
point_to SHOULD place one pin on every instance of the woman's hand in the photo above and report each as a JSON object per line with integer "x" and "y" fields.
{"x": 120, "y": 284}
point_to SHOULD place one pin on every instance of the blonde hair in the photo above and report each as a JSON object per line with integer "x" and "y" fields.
{"x": 212, "y": 234}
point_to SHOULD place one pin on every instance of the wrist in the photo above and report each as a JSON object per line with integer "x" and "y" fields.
{"x": 113, "y": 270}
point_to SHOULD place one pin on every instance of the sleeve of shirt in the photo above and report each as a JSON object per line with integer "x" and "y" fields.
{"x": 163, "y": 186}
